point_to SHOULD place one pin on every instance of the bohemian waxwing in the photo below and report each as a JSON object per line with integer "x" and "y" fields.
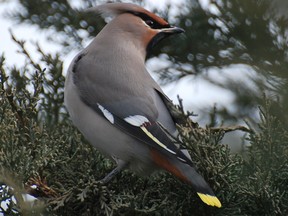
{"x": 118, "y": 107}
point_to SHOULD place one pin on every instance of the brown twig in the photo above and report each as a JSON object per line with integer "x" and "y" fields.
{"x": 38, "y": 187}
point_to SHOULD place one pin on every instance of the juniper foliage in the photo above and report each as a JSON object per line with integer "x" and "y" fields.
{"x": 43, "y": 155}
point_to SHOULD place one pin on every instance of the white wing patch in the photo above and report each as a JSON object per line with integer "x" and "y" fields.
{"x": 156, "y": 140}
{"x": 136, "y": 120}
{"x": 106, "y": 113}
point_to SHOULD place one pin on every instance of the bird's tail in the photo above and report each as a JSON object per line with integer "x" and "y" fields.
{"x": 188, "y": 174}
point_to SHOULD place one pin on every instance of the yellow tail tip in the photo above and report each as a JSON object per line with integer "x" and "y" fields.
{"x": 210, "y": 200}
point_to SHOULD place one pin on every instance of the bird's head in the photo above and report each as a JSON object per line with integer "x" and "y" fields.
{"x": 136, "y": 24}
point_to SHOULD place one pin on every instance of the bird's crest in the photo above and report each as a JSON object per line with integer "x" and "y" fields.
{"x": 111, "y": 10}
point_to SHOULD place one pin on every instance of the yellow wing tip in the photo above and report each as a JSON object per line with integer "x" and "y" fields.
{"x": 210, "y": 200}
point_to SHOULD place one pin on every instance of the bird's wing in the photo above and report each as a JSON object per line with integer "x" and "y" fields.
{"x": 139, "y": 112}
{"x": 138, "y": 109}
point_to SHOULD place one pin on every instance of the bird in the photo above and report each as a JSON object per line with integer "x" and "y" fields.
{"x": 116, "y": 104}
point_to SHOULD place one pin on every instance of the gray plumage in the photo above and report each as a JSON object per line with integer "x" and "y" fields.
{"x": 116, "y": 104}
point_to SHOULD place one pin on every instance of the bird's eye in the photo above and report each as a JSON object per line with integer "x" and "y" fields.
{"x": 149, "y": 22}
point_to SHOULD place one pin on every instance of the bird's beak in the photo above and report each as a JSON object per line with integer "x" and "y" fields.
{"x": 163, "y": 33}
{"x": 172, "y": 30}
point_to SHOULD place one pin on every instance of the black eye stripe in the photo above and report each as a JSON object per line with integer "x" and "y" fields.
{"x": 150, "y": 21}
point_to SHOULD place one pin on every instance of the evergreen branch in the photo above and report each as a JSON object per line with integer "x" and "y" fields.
{"x": 16, "y": 110}
{"x": 24, "y": 51}
{"x": 23, "y": 207}
{"x": 231, "y": 128}
{"x": 3, "y": 76}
